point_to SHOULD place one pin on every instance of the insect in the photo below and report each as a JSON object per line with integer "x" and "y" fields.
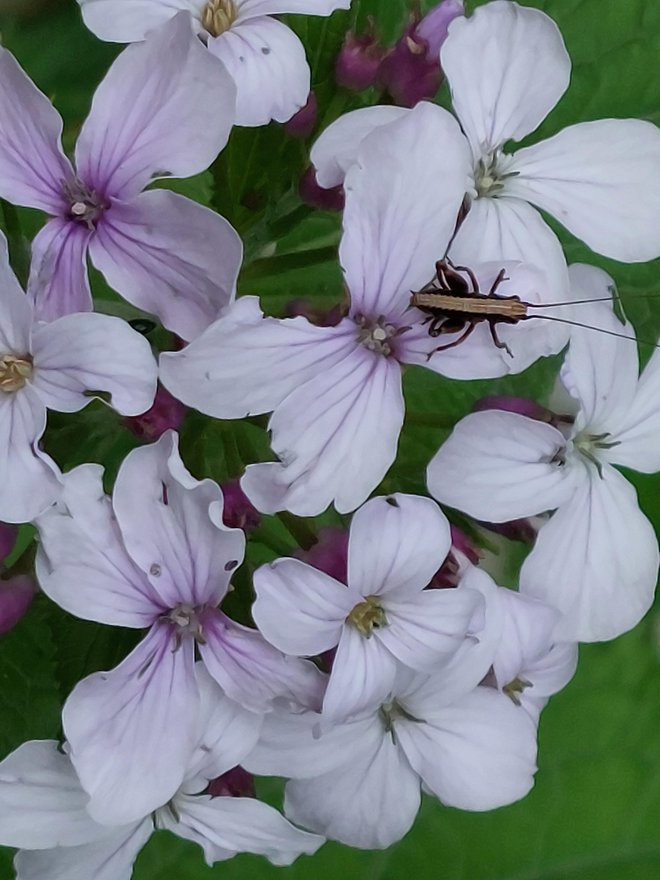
{"x": 455, "y": 304}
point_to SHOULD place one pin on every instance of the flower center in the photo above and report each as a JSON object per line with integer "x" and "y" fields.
{"x": 588, "y": 445}
{"x": 218, "y": 16}
{"x": 187, "y": 623}
{"x": 378, "y": 335}
{"x": 491, "y": 173}
{"x": 514, "y": 689}
{"x": 14, "y": 371}
{"x": 367, "y": 616}
{"x": 85, "y": 204}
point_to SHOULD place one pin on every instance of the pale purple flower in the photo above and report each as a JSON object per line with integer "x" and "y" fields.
{"x": 360, "y": 782}
{"x": 264, "y": 57}
{"x": 383, "y": 618}
{"x": 596, "y": 558}
{"x": 59, "y": 366}
{"x": 43, "y": 807}
{"x": 157, "y": 555}
{"x": 150, "y": 118}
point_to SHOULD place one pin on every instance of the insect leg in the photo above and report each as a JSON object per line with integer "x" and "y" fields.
{"x": 496, "y": 339}
{"x": 471, "y": 276}
{"x": 500, "y": 278}
{"x": 461, "y": 338}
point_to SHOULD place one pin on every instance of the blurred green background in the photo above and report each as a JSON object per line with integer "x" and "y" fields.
{"x": 594, "y": 813}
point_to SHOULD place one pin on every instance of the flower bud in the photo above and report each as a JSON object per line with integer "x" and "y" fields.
{"x": 234, "y": 783}
{"x": 8, "y": 535}
{"x": 449, "y": 573}
{"x": 522, "y": 530}
{"x": 166, "y": 412}
{"x": 358, "y": 61}
{"x": 239, "y": 512}
{"x": 329, "y": 554}
{"x": 435, "y": 24}
{"x": 315, "y": 195}
{"x": 520, "y": 405}
{"x": 15, "y": 597}
{"x": 302, "y": 123}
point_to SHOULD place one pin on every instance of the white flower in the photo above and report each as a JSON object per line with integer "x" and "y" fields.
{"x": 43, "y": 806}
{"x": 596, "y": 559}
{"x": 384, "y": 617}
{"x": 264, "y": 57}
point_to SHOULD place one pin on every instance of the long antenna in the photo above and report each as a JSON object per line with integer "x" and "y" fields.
{"x": 579, "y": 302}
{"x": 591, "y": 327}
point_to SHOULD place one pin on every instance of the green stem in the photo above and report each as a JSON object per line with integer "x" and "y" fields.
{"x": 298, "y": 529}
{"x": 429, "y": 420}
{"x": 270, "y": 266}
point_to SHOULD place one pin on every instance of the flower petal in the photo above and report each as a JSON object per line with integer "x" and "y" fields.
{"x": 254, "y": 673}
{"x": 600, "y": 180}
{"x": 122, "y": 22}
{"x": 82, "y": 563}
{"x": 245, "y": 364}
{"x": 299, "y": 609}
{"x": 338, "y": 145}
{"x": 402, "y": 201}
{"x": 396, "y": 545}
{"x": 507, "y": 67}
{"x": 252, "y": 8}
{"x": 78, "y": 355}
{"x": 132, "y": 730}
{"x": 267, "y": 62}
{"x": 336, "y": 436}
{"x": 478, "y": 754}
{"x": 58, "y": 283}
{"x": 498, "y": 466}
{"x": 239, "y": 825}
{"x": 42, "y": 803}
{"x": 637, "y": 433}
{"x": 172, "y": 527}
{"x": 32, "y": 162}
{"x": 150, "y": 115}
{"x": 16, "y": 316}
{"x": 109, "y": 859}
{"x": 168, "y": 255}
{"x": 596, "y": 560}
{"x": 30, "y": 481}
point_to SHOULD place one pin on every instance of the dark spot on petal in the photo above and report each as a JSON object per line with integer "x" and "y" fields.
{"x": 392, "y": 501}
{"x": 265, "y": 50}
{"x": 165, "y": 497}
{"x": 231, "y": 565}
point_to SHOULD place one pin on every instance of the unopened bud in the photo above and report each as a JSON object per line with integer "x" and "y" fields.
{"x": 359, "y": 60}
{"x": 166, "y": 412}
{"x": 449, "y": 573}
{"x": 8, "y": 535}
{"x": 435, "y": 24}
{"x": 15, "y": 597}
{"x": 315, "y": 195}
{"x": 329, "y": 554}
{"x": 523, "y": 530}
{"x": 239, "y": 512}
{"x": 234, "y": 783}
{"x": 302, "y": 123}
{"x": 520, "y": 405}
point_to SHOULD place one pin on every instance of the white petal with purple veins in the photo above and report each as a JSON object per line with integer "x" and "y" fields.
{"x": 58, "y": 283}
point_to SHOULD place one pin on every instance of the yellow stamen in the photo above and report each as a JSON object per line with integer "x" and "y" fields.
{"x": 14, "y": 372}
{"x": 367, "y": 616}
{"x": 218, "y": 16}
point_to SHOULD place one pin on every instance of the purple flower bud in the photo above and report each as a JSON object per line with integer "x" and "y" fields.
{"x": 449, "y": 574}
{"x": 318, "y": 197}
{"x": 167, "y": 412}
{"x": 15, "y": 597}
{"x": 329, "y": 554}
{"x": 234, "y": 783}
{"x": 302, "y": 123}
{"x": 522, "y": 530}
{"x": 8, "y": 535}
{"x": 520, "y": 405}
{"x": 239, "y": 512}
{"x": 433, "y": 27}
{"x": 359, "y": 60}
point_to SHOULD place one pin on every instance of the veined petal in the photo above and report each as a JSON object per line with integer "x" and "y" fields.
{"x": 245, "y": 364}
{"x": 403, "y": 196}
{"x": 368, "y": 804}
{"x": 16, "y": 316}
{"x": 362, "y": 677}
{"x": 30, "y": 481}
{"x": 132, "y": 730}
{"x": 236, "y": 825}
{"x": 125, "y": 21}
{"x": 338, "y": 146}
{"x": 168, "y": 255}
{"x": 58, "y": 283}
{"x": 82, "y": 563}
{"x": 32, "y": 163}
{"x": 596, "y": 560}
{"x": 267, "y": 62}
{"x": 254, "y": 673}
{"x": 78, "y": 355}
{"x": 638, "y": 431}
{"x": 478, "y": 754}
{"x": 600, "y": 179}
{"x": 111, "y": 858}
{"x": 172, "y": 527}
{"x": 150, "y": 115}
{"x": 299, "y": 609}
{"x": 396, "y": 545}
{"x": 507, "y": 67}
{"x": 336, "y": 436}
{"x": 253, "y": 8}
{"x": 498, "y": 466}
{"x": 42, "y": 803}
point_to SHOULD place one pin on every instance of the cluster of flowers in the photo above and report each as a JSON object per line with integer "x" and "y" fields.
{"x": 385, "y": 662}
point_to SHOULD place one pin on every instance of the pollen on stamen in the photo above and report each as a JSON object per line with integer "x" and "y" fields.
{"x": 367, "y": 616}
{"x": 218, "y": 16}
{"x": 14, "y": 372}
